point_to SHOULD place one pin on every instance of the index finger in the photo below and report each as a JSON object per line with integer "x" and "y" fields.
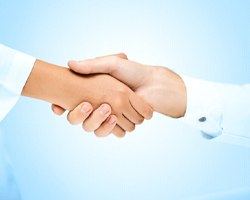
{"x": 141, "y": 106}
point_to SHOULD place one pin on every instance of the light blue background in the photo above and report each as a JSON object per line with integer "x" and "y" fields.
{"x": 163, "y": 158}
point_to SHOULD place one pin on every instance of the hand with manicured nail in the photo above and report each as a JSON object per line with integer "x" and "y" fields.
{"x": 101, "y": 121}
{"x": 129, "y": 108}
{"x": 63, "y": 87}
{"x": 163, "y": 89}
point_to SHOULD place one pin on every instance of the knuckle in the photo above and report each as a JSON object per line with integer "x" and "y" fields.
{"x": 119, "y": 102}
{"x": 98, "y": 134}
{"x": 148, "y": 113}
{"x": 115, "y": 61}
{"x": 120, "y": 135}
{"x": 101, "y": 133}
{"x": 139, "y": 120}
{"x": 69, "y": 118}
{"x": 86, "y": 127}
{"x": 123, "y": 90}
{"x": 131, "y": 128}
{"x": 118, "y": 132}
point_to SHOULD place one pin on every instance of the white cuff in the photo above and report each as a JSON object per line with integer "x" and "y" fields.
{"x": 204, "y": 110}
{"x": 219, "y": 110}
{"x": 15, "y": 69}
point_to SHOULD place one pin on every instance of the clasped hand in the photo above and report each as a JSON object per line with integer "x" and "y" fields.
{"x": 160, "y": 88}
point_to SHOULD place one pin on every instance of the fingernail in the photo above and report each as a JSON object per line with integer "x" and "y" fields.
{"x": 104, "y": 110}
{"x": 85, "y": 108}
{"x": 74, "y": 62}
{"x": 112, "y": 120}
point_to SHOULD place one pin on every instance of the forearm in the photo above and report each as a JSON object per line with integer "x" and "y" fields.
{"x": 53, "y": 84}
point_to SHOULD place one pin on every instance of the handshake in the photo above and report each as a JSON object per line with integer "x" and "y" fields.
{"x": 109, "y": 94}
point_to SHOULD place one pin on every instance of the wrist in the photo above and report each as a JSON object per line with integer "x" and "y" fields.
{"x": 170, "y": 92}
{"x": 180, "y": 96}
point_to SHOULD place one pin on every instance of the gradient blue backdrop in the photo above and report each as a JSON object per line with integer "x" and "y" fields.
{"x": 163, "y": 158}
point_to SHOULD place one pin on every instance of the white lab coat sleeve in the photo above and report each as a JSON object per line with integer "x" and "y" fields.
{"x": 15, "y": 68}
{"x": 220, "y": 111}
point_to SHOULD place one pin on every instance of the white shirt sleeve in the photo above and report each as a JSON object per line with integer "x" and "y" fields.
{"x": 219, "y": 111}
{"x": 15, "y": 68}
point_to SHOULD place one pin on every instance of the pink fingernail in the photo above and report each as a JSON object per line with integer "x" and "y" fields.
{"x": 74, "y": 62}
{"x": 104, "y": 110}
{"x": 112, "y": 120}
{"x": 85, "y": 108}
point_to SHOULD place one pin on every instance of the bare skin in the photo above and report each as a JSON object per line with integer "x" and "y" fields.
{"x": 160, "y": 87}
{"x": 61, "y": 86}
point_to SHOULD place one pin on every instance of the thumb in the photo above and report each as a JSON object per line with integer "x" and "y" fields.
{"x": 86, "y": 66}
{"x": 128, "y": 72}
{"x": 119, "y": 55}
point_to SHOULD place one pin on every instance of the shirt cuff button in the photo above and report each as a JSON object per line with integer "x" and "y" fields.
{"x": 202, "y": 119}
